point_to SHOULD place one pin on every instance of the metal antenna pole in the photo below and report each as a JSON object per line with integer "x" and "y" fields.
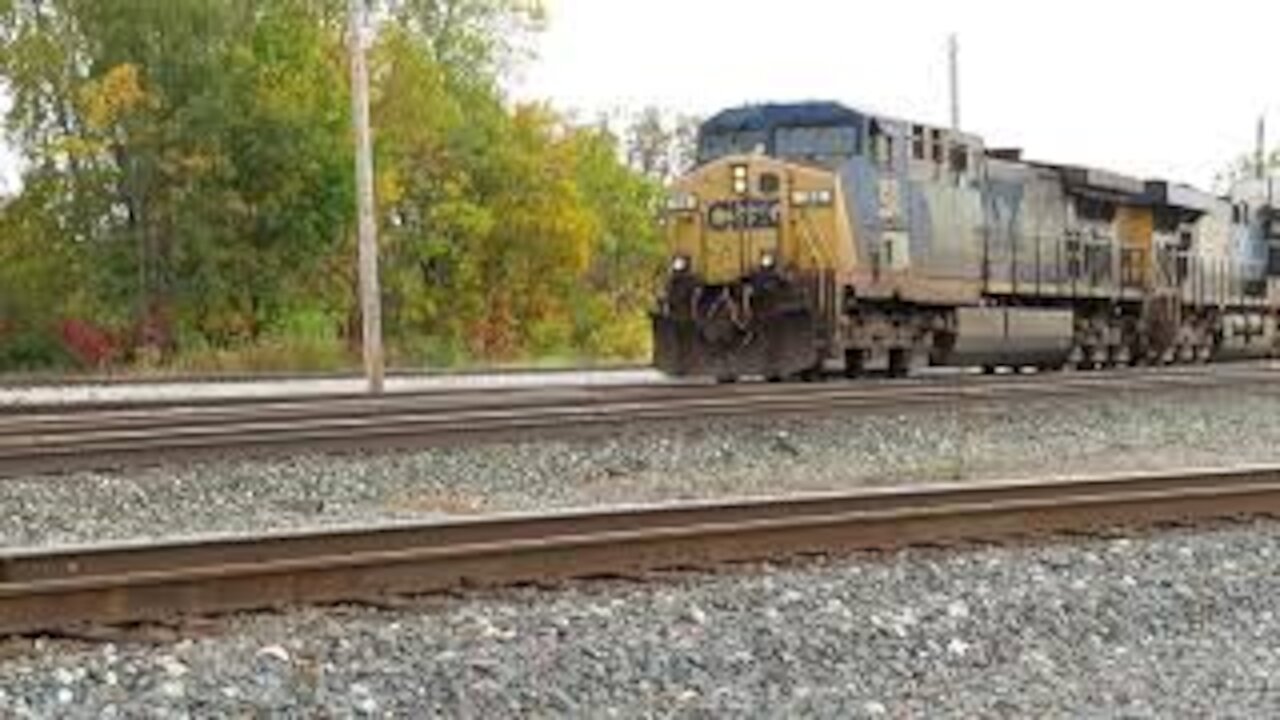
{"x": 953, "y": 52}
{"x": 1261, "y": 157}
{"x": 370, "y": 295}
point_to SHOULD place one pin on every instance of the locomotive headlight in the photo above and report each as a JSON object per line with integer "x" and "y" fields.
{"x": 679, "y": 264}
{"x": 740, "y": 180}
{"x": 805, "y": 198}
{"x": 682, "y": 202}
{"x": 768, "y": 261}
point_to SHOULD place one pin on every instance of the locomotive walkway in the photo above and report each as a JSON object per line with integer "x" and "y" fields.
{"x": 43, "y": 440}
{"x": 61, "y": 590}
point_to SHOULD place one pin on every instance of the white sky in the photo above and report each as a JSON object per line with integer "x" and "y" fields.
{"x": 1157, "y": 89}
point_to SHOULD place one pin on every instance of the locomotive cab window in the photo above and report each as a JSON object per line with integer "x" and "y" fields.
{"x": 959, "y": 159}
{"x": 818, "y": 144}
{"x": 917, "y": 142}
{"x": 717, "y": 145}
{"x": 880, "y": 142}
{"x": 1089, "y": 208}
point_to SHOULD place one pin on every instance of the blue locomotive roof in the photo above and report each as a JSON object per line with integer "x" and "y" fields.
{"x": 769, "y": 117}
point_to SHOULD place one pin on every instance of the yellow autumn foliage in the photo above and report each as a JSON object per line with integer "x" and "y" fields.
{"x": 113, "y": 96}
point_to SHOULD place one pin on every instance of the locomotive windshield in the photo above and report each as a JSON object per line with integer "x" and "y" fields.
{"x": 825, "y": 133}
{"x": 825, "y": 145}
{"x": 714, "y": 146}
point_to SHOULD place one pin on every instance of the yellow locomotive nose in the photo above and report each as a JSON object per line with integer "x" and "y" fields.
{"x": 751, "y": 240}
{"x": 734, "y": 217}
{"x": 725, "y": 220}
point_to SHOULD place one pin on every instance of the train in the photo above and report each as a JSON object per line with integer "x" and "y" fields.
{"x": 812, "y": 239}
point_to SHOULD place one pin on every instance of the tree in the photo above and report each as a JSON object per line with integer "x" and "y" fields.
{"x": 1245, "y": 166}
{"x": 612, "y": 320}
{"x": 430, "y": 140}
{"x": 191, "y": 151}
{"x": 189, "y": 186}
{"x": 661, "y": 146}
{"x": 475, "y": 39}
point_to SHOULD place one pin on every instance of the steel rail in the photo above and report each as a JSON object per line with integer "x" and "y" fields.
{"x": 68, "y": 419}
{"x": 23, "y": 381}
{"x": 18, "y": 412}
{"x": 215, "y": 402}
{"x": 61, "y": 588}
{"x": 101, "y": 440}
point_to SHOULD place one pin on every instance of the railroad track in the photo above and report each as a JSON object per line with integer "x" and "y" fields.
{"x": 60, "y": 590}
{"x": 29, "y": 380}
{"x": 32, "y": 443}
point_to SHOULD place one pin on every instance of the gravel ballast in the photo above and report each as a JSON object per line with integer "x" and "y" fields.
{"x": 1177, "y": 624}
{"x": 678, "y": 461}
{"x": 1181, "y": 624}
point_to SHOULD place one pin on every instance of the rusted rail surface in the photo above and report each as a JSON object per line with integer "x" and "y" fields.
{"x": 59, "y": 589}
{"x": 110, "y": 439}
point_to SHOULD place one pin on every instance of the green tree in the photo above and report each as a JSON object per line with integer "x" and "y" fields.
{"x": 429, "y": 143}
{"x": 628, "y": 249}
{"x": 190, "y": 151}
{"x": 189, "y": 186}
{"x": 475, "y": 39}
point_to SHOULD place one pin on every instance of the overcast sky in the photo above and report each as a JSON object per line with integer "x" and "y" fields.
{"x": 1157, "y": 89}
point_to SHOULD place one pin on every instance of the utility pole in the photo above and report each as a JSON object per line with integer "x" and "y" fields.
{"x": 1261, "y": 157}
{"x": 953, "y": 54}
{"x": 370, "y": 294}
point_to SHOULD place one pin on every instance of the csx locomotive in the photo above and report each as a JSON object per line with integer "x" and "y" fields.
{"x": 814, "y": 238}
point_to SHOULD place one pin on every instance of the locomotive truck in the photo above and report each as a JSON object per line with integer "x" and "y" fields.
{"x": 814, "y": 238}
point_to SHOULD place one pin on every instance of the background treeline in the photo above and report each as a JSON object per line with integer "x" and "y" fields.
{"x": 187, "y": 193}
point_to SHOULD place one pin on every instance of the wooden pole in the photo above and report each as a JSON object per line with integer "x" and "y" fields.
{"x": 953, "y": 58}
{"x": 370, "y": 294}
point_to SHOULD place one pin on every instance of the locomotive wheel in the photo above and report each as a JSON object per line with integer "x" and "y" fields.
{"x": 1075, "y": 360}
{"x": 899, "y": 363}
{"x": 813, "y": 374}
{"x": 855, "y": 363}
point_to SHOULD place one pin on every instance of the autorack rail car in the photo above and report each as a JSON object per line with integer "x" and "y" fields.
{"x": 812, "y": 237}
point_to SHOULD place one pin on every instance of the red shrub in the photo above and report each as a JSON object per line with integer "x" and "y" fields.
{"x": 90, "y": 345}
